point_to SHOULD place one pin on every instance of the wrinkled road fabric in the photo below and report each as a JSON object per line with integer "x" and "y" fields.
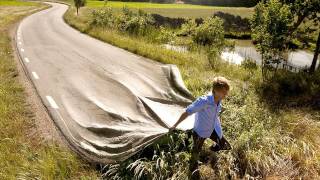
{"x": 107, "y": 102}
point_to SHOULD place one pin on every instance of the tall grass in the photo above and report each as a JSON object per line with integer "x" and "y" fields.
{"x": 22, "y": 155}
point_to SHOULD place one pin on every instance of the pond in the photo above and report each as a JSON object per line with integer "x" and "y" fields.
{"x": 245, "y": 49}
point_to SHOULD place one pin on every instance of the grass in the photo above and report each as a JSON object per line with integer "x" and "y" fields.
{"x": 268, "y": 141}
{"x": 16, "y": 3}
{"x": 175, "y": 10}
{"x": 22, "y": 155}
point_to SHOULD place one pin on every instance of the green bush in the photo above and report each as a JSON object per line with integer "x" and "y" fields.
{"x": 210, "y": 32}
{"x": 165, "y": 35}
{"x": 249, "y": 64}
{"x": 188, "y": 28}
{"x": 127, "y": 20}
{"x": 102, "y": 17}
{"x": 137, "y": 23}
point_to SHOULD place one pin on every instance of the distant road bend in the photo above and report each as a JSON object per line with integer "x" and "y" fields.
{"x": 107, "y": 102}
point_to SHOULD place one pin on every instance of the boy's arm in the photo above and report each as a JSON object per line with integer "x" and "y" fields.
{"x": 183, "y": 116}
{"x": 217, "y": 125}
{"x": 196, "y": 106}
{"x": 219, "y": 112}
{"x": 218, "y": 128}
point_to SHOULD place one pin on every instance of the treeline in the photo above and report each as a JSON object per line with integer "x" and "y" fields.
{"x": 234, "y": 3}
{"x": 153, "y": 1}
{"x": 235, "y": 27}
{"x": 239, "y": 3}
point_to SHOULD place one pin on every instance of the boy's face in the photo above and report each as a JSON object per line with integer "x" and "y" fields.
{"x": 221, "y": 93}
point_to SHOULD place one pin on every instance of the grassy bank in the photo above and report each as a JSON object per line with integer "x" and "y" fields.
{"x": 268, "y": 141}
{"x": 25, "y": 156}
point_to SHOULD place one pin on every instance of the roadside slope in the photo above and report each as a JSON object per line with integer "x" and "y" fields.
{"x": 30, "y": 145}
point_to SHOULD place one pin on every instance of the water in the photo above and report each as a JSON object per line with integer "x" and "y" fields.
{"x": 244, "y": 49}
{"x": 232, "y": 57}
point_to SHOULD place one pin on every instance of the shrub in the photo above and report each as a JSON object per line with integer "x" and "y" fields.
{"x": 127, "y": 21}
{"x": 134, "y": 23}
{"x": 249, "y": 64}
{"x": 102, "y": 17}
{"x": 211, "y": 35}
{"x": 188, "y": 28}
{"x": 165, "y": 35}
{"x": 210, "y": 32}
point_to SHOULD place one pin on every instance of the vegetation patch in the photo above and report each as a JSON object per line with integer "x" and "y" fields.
{"x": 267, "y": 140}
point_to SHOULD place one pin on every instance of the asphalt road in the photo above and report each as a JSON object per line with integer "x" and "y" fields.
{"x": 107, "y": 102}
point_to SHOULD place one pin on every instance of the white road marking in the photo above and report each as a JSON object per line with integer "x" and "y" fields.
{"x": 52, "y": 102}
{"x": 18, "y": 37}
{"x": 20, "y": 43}
{"x": 35, "y": 75}
{"x": 26, "y": 59}
{"x": 64, "y": 122}
{"x": 22, "y": 50}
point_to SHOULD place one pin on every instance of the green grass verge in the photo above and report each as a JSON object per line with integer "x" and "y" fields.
{"x": 267, "y": 141}
{"x": 22, "y": 155}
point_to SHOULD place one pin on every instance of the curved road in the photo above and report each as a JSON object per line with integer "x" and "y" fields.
{"x": 107, "y": 102}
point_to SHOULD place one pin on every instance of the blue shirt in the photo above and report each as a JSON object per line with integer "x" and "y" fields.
{"x": 207, "y": 115}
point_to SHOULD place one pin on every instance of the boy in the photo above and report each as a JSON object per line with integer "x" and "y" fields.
{"x": 207, "y": 122}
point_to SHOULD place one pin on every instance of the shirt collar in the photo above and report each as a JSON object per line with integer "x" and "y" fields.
{"x": 211, "y": 98}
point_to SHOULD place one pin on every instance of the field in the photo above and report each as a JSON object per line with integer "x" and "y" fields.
{"x": 175, "y": 10}
{"x": 16, "y": 3}
{"x": 25, "y": 155}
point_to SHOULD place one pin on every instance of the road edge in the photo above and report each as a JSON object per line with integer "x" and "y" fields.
{"x": 45, "y": 126}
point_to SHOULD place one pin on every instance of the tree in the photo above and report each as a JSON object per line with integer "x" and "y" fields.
{"x": 79, "y": 3}
{"x": 315, "y": 57}
{"x": 211, "y": 35}
{"x": 270, "y": 24}
{"x": 305, "y": 10}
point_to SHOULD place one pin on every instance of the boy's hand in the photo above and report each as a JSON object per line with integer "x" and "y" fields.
{"x": 172, "y": 128}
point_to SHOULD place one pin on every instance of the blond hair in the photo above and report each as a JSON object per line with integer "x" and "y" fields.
{"x": 220, "y": 82}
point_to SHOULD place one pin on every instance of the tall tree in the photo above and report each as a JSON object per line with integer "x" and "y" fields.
{"x": 315, "y": 57}
{"x": 269, "y": 24}
{"x": 305, "y": 10}
{"x": 79, "y": 3}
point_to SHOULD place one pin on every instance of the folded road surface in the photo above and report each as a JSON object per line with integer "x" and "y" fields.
{"x": 107, "y": 102}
